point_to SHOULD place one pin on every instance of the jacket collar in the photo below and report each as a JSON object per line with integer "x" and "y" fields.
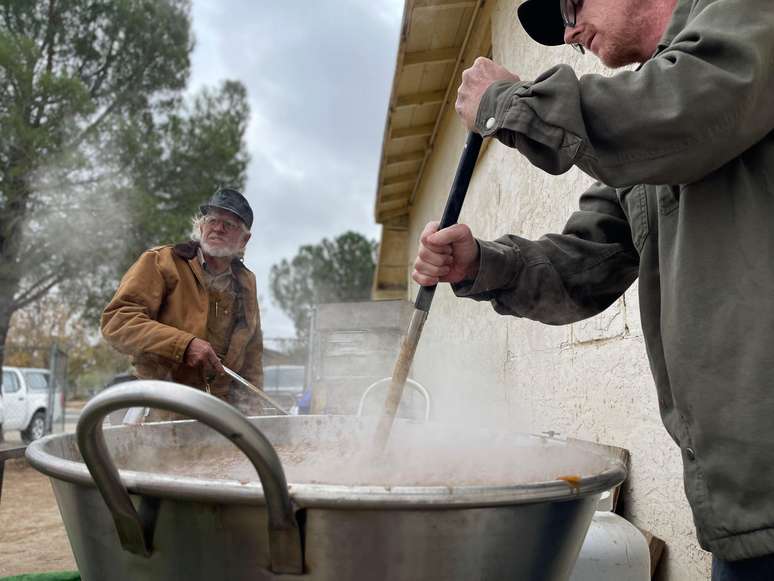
{"x": 186, "y": 250}
{"x": 189, "y": 250}
{"x": 677, "y": 24}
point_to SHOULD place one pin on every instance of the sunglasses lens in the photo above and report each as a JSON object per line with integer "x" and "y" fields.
{"x": 568, "y": 9}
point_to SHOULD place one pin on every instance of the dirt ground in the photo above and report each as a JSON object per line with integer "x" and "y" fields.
{"x": 32, "y": 536}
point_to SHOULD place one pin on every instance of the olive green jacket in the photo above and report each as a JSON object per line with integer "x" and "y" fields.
{"x": 161, "y": 305}
{"x": 683, "y": 152}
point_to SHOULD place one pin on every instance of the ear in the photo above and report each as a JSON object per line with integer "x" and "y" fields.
{"x": 245, "y": 238}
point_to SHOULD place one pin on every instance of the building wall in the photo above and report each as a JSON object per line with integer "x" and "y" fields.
{"x": 589, "y": 380}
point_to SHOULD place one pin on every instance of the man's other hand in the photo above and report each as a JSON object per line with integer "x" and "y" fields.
{"x": 201, "y": 354}
{"x": 475, "y": 82}
{"x": 448, "y": 255}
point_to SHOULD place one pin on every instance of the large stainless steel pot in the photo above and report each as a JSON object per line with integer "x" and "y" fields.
{"x": 147, "y": 521}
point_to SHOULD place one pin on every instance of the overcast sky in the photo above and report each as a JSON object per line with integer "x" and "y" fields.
{"x": 318, "y": 75}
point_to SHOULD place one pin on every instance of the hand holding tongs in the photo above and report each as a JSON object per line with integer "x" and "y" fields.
{"x": 234, "y": 375}
{"x": 137, "y": 415}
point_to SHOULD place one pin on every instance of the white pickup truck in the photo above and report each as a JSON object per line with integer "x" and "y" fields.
{"x": 25, "y": 399}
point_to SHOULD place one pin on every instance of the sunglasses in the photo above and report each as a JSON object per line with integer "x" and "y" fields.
{"x": 569, "y": 9}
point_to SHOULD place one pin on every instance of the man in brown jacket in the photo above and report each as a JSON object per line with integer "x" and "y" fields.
{"x": 182, "y": 309}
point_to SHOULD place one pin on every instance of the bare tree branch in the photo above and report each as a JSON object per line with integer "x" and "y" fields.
{"x": 48, "y": 48}
{"x": 102, "y": 73}
{"x": 26, "y": 297}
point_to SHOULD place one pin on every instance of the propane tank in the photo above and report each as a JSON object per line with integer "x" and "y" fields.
{"x": 614, "y": 549}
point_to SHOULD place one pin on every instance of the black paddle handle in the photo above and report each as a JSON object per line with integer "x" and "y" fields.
{"x": 454, "y": 204}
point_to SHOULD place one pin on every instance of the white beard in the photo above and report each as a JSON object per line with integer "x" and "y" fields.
{"x": 220, "y": 251}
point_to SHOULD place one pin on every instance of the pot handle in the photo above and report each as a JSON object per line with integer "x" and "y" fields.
{"x": 409, "y": 382}
{"x": 134, "y": 531}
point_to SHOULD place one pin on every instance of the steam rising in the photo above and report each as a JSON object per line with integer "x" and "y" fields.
{"x": 79, "y": 224}
{"x": 462, "y": 448}
{"x": 338, "y": 451}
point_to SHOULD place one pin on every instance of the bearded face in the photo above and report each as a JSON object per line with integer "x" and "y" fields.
{"x": 222, "y": 234}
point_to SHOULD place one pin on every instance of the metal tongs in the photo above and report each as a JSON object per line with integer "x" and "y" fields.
{"x": 137, "y": 415}
{"x": 234, "y": 375}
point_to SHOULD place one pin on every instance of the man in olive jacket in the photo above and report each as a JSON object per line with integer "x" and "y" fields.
{"x": 683, "y": 151}
{"x": 182, "y": 309}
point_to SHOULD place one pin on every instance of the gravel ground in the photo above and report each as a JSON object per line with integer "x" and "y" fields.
{"x": 32, "y": 535}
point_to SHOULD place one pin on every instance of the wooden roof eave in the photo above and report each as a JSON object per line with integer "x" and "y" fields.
{"x": 385, "y": 208}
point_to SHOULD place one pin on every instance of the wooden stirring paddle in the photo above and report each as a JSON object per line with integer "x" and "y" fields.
{"x": 425, "y": 296}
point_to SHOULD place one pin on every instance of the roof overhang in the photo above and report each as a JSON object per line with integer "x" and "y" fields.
{"x": 434, "y": 36}
{"x": 435, "y": 39}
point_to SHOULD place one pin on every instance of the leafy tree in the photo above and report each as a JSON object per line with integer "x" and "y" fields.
{"x": 335, "y": 270}
{"x": 100, "y": 155}
{"x": 193, "y": 153}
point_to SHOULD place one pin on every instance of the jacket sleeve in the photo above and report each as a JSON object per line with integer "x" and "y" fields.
{"x": 129, "y": 321}
{"x": 252, "y": 369}
{"x": 699, "y": 103}
{"x": 560, "y": 278}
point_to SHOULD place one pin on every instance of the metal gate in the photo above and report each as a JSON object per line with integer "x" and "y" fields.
{"x": 57, "y": 366}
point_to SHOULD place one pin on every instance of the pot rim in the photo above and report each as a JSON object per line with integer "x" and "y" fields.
{"x": 223, "y": 491}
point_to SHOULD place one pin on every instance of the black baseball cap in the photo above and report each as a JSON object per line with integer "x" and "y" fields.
{"x": 542, "y": 19}
{"x": 233, "y": 201}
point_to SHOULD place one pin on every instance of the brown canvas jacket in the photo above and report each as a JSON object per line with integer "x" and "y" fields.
{"x": 683, "y": 151}
{"x": 161, "y": 305}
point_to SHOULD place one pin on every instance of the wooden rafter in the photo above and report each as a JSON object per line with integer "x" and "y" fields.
{"x": 417, "y": 99}
{"x": 396, "y": 213}
{"x": 406, "y": 178}
{"x": 415, "y": 131}
{"x": 438, "y": 55}
{"x": 443, "y": 4}
{"x": 410, "y": 157}
{"x": 400, "y": 196}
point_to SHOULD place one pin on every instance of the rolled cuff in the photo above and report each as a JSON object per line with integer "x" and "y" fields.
{"x": 498, "y": 268}
{"x": 495, "y": 103}
{"x": 180, "y": 345}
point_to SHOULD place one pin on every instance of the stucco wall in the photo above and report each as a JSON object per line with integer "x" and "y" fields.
{"x": 589, "y": 380}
